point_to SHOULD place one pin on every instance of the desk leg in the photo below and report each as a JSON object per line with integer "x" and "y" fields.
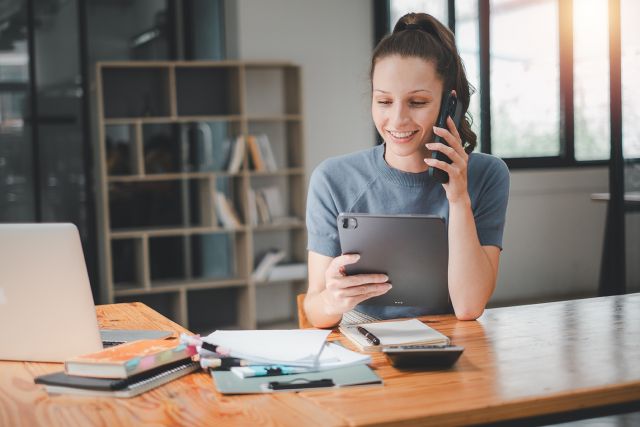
{"x": 612, "y": 264}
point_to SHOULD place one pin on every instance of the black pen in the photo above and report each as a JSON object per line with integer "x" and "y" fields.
{"x": 368, "y": 335}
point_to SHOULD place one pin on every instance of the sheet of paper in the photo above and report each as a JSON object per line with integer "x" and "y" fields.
{"x": 293, "y": 347}
{"x": 336, "y": 356}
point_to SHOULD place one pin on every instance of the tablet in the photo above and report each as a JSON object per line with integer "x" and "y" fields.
{"x": 411, "y": 249}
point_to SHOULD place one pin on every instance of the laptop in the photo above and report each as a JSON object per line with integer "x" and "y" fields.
{"x": 47, "y": 313}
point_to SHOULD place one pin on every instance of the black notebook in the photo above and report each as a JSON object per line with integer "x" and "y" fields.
{"x": 61, "y": 383}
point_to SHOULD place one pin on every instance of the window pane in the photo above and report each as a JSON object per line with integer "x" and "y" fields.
{"x": 630, "y": 38}
{"x": 17, "y": 202}
{"x": 591, "y": 79}
{"x": 525, "y": 109}
{"x": 436, "y": 8}
{"x": 468, "y": 46}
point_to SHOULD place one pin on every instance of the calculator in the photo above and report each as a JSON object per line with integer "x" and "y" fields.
{"x": 423, "y": 356}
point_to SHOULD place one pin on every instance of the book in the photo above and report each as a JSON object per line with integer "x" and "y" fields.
{"x": 252, "y": 207}
{"x": 256, "y": 154}
{"x": 274, "y": 201}
{"x": 394, "y": 333}
{"x": 128, "y": 359}
{"x": 266, "y": 152}
{"x": 296, "y": 271}
{"x": 237, "y": 155}
{"x": 264, "y": 216}
{"x": 62, "y": 383}
{"x": 266, "y": 264}
{"x": 226, "y": 213}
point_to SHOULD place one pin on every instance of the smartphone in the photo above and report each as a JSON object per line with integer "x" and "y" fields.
{"x": 450, "y": 107}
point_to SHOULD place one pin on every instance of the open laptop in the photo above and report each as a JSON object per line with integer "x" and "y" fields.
{"x": 47, "y": 312}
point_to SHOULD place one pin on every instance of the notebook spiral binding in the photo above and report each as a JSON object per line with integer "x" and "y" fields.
{"x": 141, "y": 382}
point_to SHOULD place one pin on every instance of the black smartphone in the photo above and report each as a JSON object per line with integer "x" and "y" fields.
{"x": 450, "y": 107}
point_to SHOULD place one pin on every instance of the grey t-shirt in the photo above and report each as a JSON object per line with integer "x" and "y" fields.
{"x": 363, "y": 182}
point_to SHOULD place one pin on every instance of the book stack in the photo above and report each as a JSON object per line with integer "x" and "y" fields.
{"x": 125, "y": 370}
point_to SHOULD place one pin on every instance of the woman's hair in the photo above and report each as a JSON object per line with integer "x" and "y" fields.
{"x": 420, "y": 35}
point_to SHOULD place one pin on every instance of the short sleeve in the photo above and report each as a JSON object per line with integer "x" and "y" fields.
{"x": 490, "y": 207}
{"x": 321, "y": 216}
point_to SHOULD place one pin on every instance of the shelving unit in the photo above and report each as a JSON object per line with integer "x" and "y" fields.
{"x": 166, "y": 132}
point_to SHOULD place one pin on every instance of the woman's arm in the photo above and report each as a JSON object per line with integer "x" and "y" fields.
{"x": 473, "y": 269}
{"x": 331, "y": 292}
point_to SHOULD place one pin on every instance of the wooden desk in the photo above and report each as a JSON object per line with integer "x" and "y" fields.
{"x": 519, "y": 362}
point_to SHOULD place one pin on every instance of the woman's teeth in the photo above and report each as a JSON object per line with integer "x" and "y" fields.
{"x": 402, "y": 134}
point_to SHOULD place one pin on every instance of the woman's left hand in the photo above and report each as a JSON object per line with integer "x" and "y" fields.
{"x": 456, "y": 188}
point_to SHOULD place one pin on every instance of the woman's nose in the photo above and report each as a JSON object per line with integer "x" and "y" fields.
{"x": 399, "y": 114}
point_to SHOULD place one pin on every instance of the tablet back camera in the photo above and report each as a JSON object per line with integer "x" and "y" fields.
{"x": 349, "y": 223}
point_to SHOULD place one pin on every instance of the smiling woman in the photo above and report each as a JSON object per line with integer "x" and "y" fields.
{"x": 411, "y": 70}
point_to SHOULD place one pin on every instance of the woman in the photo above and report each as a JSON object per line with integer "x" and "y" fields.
{"x": 411, "y": 70}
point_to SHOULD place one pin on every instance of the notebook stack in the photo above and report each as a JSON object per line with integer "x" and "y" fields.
{"x": 125, "y": 370}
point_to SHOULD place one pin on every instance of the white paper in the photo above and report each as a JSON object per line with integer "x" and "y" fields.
{"x": 336, "y": 356}
{"x": 293, "y": 347}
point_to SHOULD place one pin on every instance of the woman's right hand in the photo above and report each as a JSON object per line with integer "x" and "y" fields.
{"x": 342, "y": 293}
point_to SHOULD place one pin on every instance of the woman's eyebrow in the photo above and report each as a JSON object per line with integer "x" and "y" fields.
{"x": 413, "y": 91}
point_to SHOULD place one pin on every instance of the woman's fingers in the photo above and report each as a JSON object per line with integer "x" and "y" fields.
{"x": 365, "y": 289}
{"x": 336, "y": 267}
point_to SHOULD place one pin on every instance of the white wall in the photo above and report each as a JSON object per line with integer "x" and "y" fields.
{"x": 554, "y": 233}
{"x": 332, "y": 41}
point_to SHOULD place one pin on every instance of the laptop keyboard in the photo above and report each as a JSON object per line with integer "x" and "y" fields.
{"x": 355, "y": 317}
{"x": 106, "y": 344}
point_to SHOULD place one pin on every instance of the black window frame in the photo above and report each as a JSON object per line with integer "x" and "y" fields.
{"x": 566, "y": 158}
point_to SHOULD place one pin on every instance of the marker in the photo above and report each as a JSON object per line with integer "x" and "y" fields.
{"x": 224, "y": 362}
{"x": 197, "y": 342}
{"x": 368, "y": 335}
{"x": 267, "y": 370}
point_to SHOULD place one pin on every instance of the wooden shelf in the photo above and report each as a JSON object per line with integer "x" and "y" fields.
{"x": 167, "y": 131}
{"x": 290, "y": 171}
{"x": 170, "y": 119}
{"x": 172, "y": 176}
{"x": 171, "y": 231}
{"x": 283, "y": 118}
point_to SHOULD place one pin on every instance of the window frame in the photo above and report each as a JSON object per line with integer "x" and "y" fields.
{"x": 566, "y": 158}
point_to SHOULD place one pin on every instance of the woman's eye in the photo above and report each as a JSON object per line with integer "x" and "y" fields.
{"x": 418, "y": 103}
{"x": 384, "y": 102}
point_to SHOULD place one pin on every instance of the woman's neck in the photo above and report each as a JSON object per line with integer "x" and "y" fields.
{"x": 413, "y": 163}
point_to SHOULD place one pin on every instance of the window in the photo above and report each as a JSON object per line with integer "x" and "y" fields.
{"x": 525, "y": 107}
{"x": 546, "y": 67}
{"x": 591, "y": 79}
{"x": 630, "y": 38}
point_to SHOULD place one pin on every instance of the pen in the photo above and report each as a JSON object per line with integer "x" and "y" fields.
{"x": 197, "y": 341}
{"x": 224, "y": 362}
{"x": 368, "y": 335}
{"x": 266, "y": 370}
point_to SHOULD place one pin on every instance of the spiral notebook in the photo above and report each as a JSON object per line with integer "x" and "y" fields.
{"x": 394, "y": 333}
{"x": 61, "y": 383}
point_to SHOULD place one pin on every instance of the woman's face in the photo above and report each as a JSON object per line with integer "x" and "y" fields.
{"x": 405, "y": 106}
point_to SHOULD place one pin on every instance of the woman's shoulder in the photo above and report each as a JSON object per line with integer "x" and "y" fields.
{"x": 349, "y": 163}
{"x": 487, "y": 164}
